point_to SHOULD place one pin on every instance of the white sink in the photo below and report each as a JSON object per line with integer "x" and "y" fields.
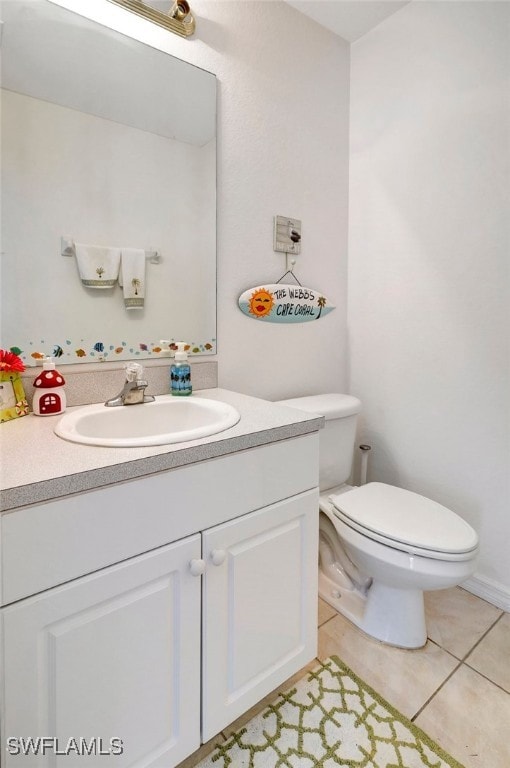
{"x": 167, "y": 420}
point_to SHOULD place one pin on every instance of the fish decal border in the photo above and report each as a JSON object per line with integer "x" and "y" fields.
{"x": 89, "y": 350}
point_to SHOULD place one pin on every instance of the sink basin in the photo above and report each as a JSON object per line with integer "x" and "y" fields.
{"x": 167, "y": 420}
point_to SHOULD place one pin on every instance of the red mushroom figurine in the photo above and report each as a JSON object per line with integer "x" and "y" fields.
{"x": 49, "y": 395}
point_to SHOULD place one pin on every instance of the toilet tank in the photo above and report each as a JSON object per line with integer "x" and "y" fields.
{"x": 336, "y": 440}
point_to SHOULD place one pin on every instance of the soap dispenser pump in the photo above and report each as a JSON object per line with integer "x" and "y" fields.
{"x": 180, "y": 372}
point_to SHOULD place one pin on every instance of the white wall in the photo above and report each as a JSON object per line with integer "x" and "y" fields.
{"x": 282, "y": 149}
{"x": 283, "y": 86}
{"x": 429, "y": 253}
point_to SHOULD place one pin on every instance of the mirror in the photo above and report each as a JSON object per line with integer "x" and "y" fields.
{"x": 105, "y": 141}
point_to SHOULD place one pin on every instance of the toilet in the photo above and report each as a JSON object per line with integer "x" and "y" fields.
{"x": 380, "y": 546}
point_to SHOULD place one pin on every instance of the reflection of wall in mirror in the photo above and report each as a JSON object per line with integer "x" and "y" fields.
{"x": 98, "y": 181}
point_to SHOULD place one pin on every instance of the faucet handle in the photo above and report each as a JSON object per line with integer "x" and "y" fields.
{"x": 134, "y": 371}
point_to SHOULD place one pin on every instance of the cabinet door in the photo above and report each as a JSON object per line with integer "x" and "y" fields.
{"x": 112, "y": 655}
{"x": 259, "y": 606}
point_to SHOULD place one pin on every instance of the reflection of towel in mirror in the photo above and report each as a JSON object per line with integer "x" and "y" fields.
{"x": 98, "y": 265}
{"x": 132, "y": 277}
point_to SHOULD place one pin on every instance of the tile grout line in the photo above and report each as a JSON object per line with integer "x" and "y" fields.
{"x": 434, "y": 694}
{"x": 483, "y": 637}
{"x": 326, "y": 621}
{"x": 477, "y": 672}
{"x": 465, "y": 662}
{"x": 461, "y": 662}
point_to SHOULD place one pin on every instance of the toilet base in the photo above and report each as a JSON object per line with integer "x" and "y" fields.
{"x": 393, "y": 616}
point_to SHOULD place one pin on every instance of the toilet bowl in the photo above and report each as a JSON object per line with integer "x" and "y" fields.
{"x": 380, "y": 546}
{"x": 410, "y": 544}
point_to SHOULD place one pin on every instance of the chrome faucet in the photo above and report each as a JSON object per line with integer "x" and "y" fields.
{"x": 133, "y": 391}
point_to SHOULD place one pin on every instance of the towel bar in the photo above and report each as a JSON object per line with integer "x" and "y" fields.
{"x": 67, "y": 249}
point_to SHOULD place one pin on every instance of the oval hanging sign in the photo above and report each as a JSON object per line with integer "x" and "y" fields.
{"x": 278, "y": 303}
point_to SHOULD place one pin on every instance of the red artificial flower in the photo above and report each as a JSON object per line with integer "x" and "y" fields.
{"x": 9, "y": 362}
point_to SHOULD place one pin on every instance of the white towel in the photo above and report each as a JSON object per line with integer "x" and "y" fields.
{"x": 132, "y": 277}
{"x": 98, "y": 265}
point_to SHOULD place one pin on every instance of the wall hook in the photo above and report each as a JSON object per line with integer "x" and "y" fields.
{"x": 290, "y": 262}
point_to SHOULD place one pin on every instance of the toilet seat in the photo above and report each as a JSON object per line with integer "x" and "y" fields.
{"x": 406, "y": 521}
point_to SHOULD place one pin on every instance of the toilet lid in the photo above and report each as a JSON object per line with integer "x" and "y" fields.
{"x": 406, "y": 518}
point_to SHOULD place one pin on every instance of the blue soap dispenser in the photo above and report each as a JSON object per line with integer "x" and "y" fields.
{"x": 180, "y": 372}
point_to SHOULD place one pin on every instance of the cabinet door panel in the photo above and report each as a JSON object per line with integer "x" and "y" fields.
{"x": 259, "y": 606}
{"x": 103, "y": 658}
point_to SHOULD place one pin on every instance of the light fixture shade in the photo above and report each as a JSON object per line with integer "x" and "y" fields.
{"x": 179, "y": 19}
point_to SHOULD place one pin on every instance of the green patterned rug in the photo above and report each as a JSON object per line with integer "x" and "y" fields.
{"x": 329, "y": 718}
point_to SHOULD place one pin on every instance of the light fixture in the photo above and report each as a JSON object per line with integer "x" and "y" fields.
{"x": 178, "y": 19}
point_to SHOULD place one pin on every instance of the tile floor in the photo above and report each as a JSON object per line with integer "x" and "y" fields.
{"x": 457, "y": 687}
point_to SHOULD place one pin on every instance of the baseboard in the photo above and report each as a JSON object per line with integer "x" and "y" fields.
{"x": 489, "y": 590}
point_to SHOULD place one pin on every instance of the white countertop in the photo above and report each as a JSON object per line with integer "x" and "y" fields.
{"x": 38, "y": 466}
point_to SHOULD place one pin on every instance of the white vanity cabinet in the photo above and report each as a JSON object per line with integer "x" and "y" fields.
{"x": 259, "y": 606}
{"x": 164, "y": 648}
{"x": 112, "y": 655}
